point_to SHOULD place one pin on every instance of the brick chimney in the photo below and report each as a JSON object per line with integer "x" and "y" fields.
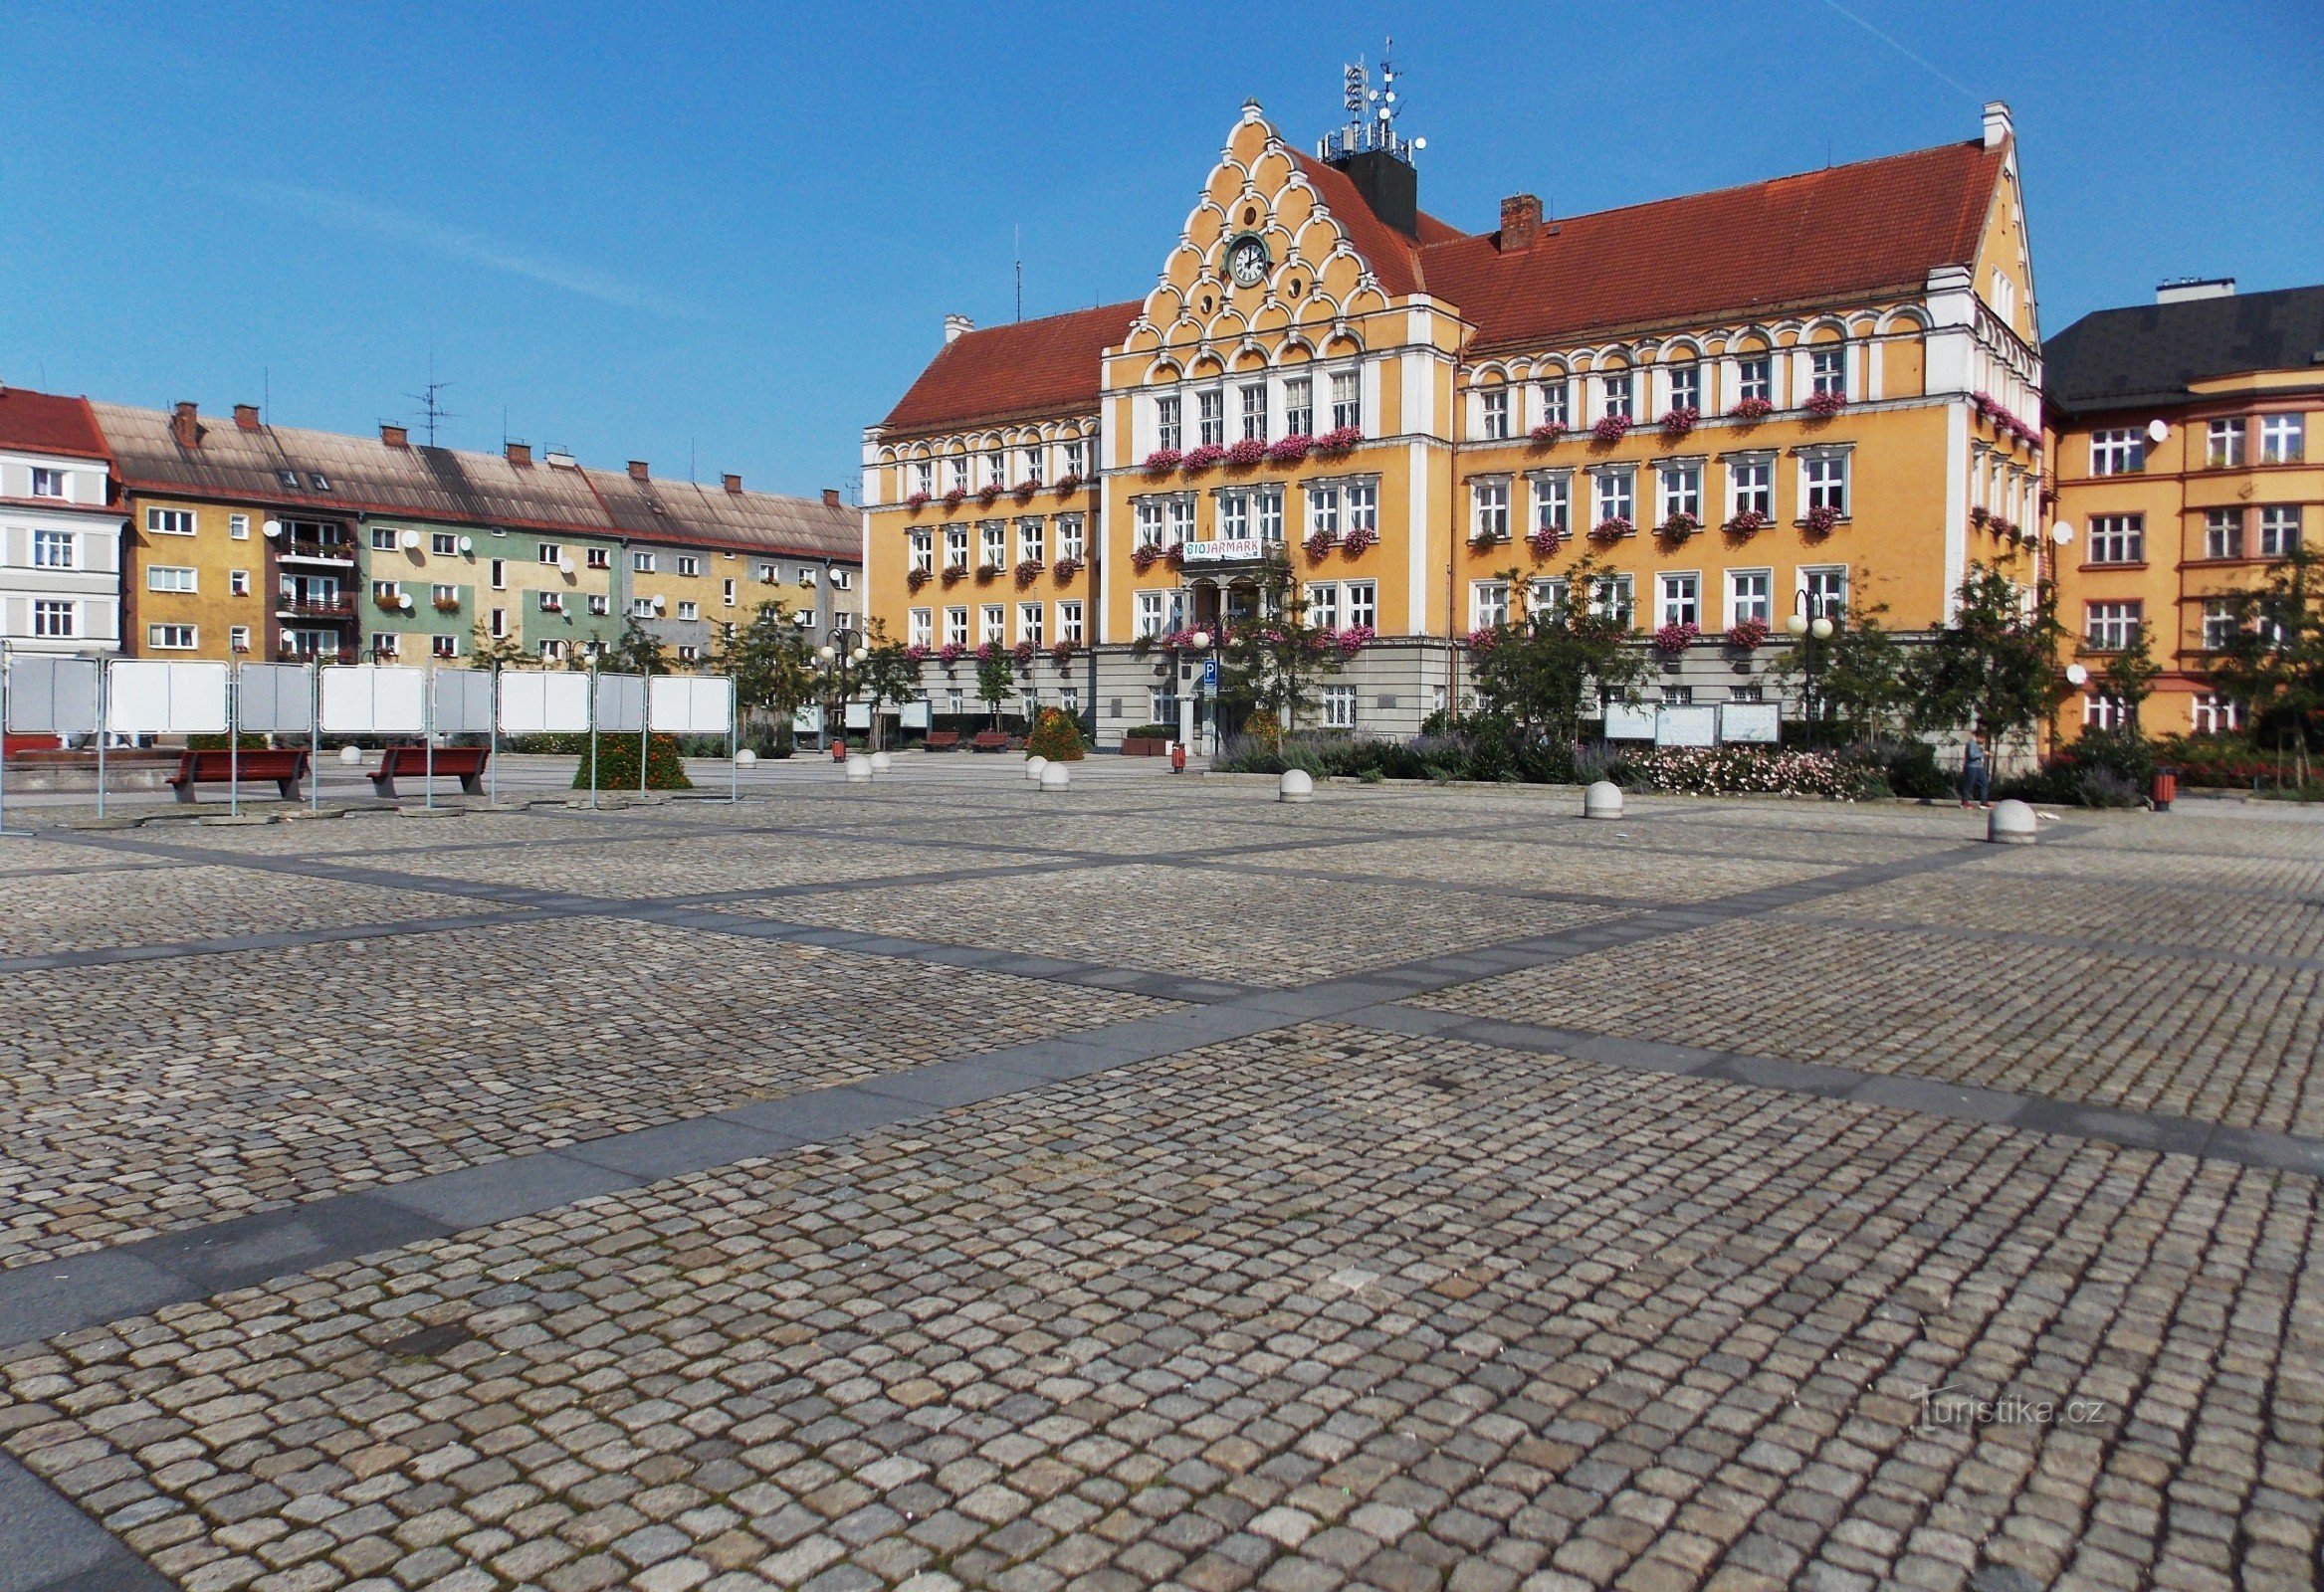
{"x": 520, "y": 453}
{"x": 185, "y": 426}
{"x": 394, "y": 435}
{"x": 246, "y": 417}
{"x": 733, "y": 482}
{"x": 637, "y": 470}
{"x": 831, "y": 497}
{"x": 1520, "y": 221}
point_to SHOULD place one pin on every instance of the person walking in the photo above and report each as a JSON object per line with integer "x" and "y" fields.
{"x": 1975, "y": 784}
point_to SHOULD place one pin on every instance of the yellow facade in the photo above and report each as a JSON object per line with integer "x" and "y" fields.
{"x": 195, "y": 579}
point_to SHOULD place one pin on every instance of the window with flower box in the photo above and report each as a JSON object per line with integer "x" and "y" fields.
{"x": 1299, "y": 407}
{"x": 2279, "y": 530}
{"x": 924, "y": 478}
{"x": 1680, "y": 598}
{"x": 1493, "y": 412}
{"x": 1613, "y": 396}
{"x": 2118, "y": 539}
{"x": 1029, "y": 462}
{"x": 1071, "y": 543}
{"x": 1069, "y": 621}
{"x": 1076, "y": 457}
{"x": 996, "y": 472}
{"x": 1029, "y": 623}
{"x": 956, "y": 546}
{"x": 1031, "y": 540}
{"x": 1552, "y": 502}
{"x": 991, "y": 623}
{"x": 2112, "y": 626}
{"x": 1347, "y": 401}
{"x": 2213, "y": 713}
{"x": 1267, "y": 505}
{"x": 1362, "y": 605}
{"x": 1751, "y": 486}
{"x": 1682, "y": 489}
{"x": 2121, "y": 452}
{"x": 1169, "y": 430}
{"x": 1827, "y": 371}
{"x": 1323, "y": 604}
{"x": 1210, "y": 417}
{"x": 1686, "y": 387}
{"x": 1824, "y": 481}
{"x": 1749, "y": 597}
{"x": 2225, "y": 444}
{"x": 956, "y": 627}
{"x": 1322, "y": 508}
{"x": 1488, "y": 508}
{"x": 2282, "y": 439}
{"x": 1554, "y": 404}
{"x": 919, "y": 628}
{"x": 1254, "y": 402}
{"x": 1617, "y": 494}
{"x": 1754, "y": 379}
{"x": 957, "y": 472}
{"x": 1179, "y": 517}
{"x": 1147, "y": 521}
{"x": 1488, "y": 603}
{"x": 992, "y": 542}
{"x": 922, "y": 552}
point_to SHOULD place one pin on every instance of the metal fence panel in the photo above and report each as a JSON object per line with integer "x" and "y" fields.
{"x": 51, "y": 695}
{"x": 275, "y": 698}
{"x": 621, "y": 703}
{"x": 463, "y": 701}
{"x": 539, "y": 703}
{"x": 151, "y": 697}
{"x": 367, "y": 699}
{"x": 688, "y": 705}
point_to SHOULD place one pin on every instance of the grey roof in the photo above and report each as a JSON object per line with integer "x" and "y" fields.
{"x": 369, "y": 476}
{"x": 2150, "y": 353}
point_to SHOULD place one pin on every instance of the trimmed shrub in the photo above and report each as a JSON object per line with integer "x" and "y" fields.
{"x": 1055, "y": 736}
{"x": 617, "y": 764}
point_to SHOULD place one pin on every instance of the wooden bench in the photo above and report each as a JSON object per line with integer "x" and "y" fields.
{"x": 464, "y": 763}
{"x": 251, "y": 766}
{"x": 988, "y": 740}
{"x": 943, "y": 740}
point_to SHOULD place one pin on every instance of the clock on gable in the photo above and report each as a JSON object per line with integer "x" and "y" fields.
{"x": 1247, "y": 259}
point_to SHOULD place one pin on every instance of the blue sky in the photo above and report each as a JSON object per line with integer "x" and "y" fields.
{"x": 730, "y": 231}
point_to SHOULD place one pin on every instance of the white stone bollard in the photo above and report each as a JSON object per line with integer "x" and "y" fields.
{"x": 859, "y": 769}
{"x": 2012, "y": 823}
{"x": 1602, "y": 800}
{"x": 880, "y": 763}
{"x": 1056, "y": 776}
{"x": 1297, "y": 786}
{"x": 350, "y": 755}
{"x": 1033, "y": 767}
{"x": 746, "y": 758}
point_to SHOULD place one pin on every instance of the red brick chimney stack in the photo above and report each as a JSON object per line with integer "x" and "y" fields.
{"x": 831, "y": 497}
{"x": 394, "y": 435}
{"x": 637, "y": 470}
{"x": 186, "y": 425}
{"x": 1520, "y": 221}
{"x": 733, "y": 483}
{"x": 246, "y": 417}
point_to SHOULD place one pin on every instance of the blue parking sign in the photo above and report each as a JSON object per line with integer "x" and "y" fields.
{"x": 1211, "y": 674}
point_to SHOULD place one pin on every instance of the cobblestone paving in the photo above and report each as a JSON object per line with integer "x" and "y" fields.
{"x": 1327, "y": 1306}
{"x": 1354, "y": 1338}
{"x": 155, "y": 1097}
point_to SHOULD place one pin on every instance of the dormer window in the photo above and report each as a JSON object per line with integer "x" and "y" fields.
{"x": 288, "y": 478}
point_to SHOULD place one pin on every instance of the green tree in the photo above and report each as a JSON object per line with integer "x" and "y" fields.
{"x": 996, "y": 677}
{"x": 1994, "y": 669}
{"x": 2273, "y": 662}
{"x": 770, "y": 662}
{"x": 638, "y": 652}
{"x": 1860, "y": 680}
{"x": 497, "y": 652}
{"x": 1537, "y": 669}
{"x": 888, "y": 675}
{"x": 1272, "y": 662}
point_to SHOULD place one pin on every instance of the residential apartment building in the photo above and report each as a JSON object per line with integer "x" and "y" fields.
{"x": 60, "y": 530}
{"x": 250, "y": 539}
{"x": 2187, "y": 466}
{"x": 1819, "y": 391}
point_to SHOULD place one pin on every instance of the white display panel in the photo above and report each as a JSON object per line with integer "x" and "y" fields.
{"x": 463, "y": 703}
{"x": 1629, "y": 722}
{"x": 368, "y": 700}
{"x": 686, "y": 704}
{"x": 1751, "y": 722}
{"x": 1686, "y": 726}
{"x": 278, "y": 699}
{"x": 51, "y": 695}
{"x": 859, "y": 716}
{"x": 147, "y": 696}
{"x": 808, "y": 720}
{"x": 915, "y": 714}
{"x": 543, "y": 703}
{"x": 621, "y": 703}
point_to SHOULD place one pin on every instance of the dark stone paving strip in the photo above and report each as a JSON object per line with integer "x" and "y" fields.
{"x": 2032, "y": 1113}
{"x": 2076, "y": 942}
{"x": 51, "y": 1546}
{"x": 113, "y": 955}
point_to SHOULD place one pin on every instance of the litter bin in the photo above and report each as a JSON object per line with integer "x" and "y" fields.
{"x": 2166, "y": 788}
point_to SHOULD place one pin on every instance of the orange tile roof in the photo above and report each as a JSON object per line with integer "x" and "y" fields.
{"x": 1821, "y": 236}
{"x": 45, "y": 423}
{"x": 1017, "y": 371}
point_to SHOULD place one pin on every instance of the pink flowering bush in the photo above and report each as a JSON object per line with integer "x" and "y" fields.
{"x": 1745, "y": 523}
{"x": 1025, "y": 491}
{"x": 1207, "y": 457}
{"x": 1548, "y": 431}
{"x": 1677, "y": 422}
{"x": 1347, "y": 643}
{"x": 1610, "y": 430}
{"x": 1067, "y": 568}
{"x": 1544, "y": 539}
{"x": 1360, "y": 538}
{"x": 1671, "y": 640}
{"x": 957, "y": 497}
{"x": 1680, "y": 525}
{"x": 1747, "y": 634}
{"x": 1824, "y": 405}
{"x": 1163, "y": 461}
{"x": 1339, "y": 440}
{"x": 1319, "y": 542}
{"x": 1023, "y": 653}
{"x": 1820, "y": 519}
{"x": 1144, "y": 556}
{"x": 1292, "y": 448}
{"x": 1752, "y": 771}
{"x": 989, "y": 568}
{"x": 1028, "y": 571}
{"x": 951, "y": 652}
{"x": 916, "y": 502}
{"x": 1751, "y": 409}
{"x": 1483, "y": 641}
{"x": 1613, "y": 528}
{"x": 918, "y": 653}
{"x": 1061, "y": 653}
{"x": 1247, "y": 453}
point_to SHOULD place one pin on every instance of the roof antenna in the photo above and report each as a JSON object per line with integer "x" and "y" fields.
{"x": 1017, "y": 245}
{"x": 266, "y": 390}
{"x": 429, "y": 410}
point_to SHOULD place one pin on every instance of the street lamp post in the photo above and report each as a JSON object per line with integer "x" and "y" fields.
{"x": 1809, "y": 627}
{"x": 1204, "y": 639}
{"x": 845, "y": 650}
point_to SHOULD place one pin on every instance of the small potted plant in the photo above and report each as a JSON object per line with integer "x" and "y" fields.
{"x": 1025, "y": 490}
{"x": 1023, "y": 653}
{"x": 1067, "y": 484}
{"x": 951, "y": 652}
{"x": 1144, "y": 556}
{"x": 990, "y": 568}
{"x": 1061, "y": 653}
{"x": 918, "y": 653}
{"x": 1610, "y": 430}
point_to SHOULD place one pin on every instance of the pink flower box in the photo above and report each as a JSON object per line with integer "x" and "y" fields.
{"x": 1610, "y": 430}
{"x": 916, "y": 502}
{"x": 1359, "y": 539}
{"x": 1679, "y": 421}
{"x": 1247, "y": 453}
{"x": 1748, "y": 410}
{"x": 1671, "y": 640}
{"x": 1743, "y": 524}
{"x": 1207, "y": 457}
{"x": 1824, "y": 405}
{"x": 1290, "y": 450}
{"x": 1339, "y": 441}
{"x": 1546, "y": 433}
{"x": 1820, "y": 519}
{"x": 957, "y": 497}
{"x": 1612, "y": 528}
{"x": 1679, "y": 527}
{"x": 1163, "y": 461}
{"x": 1545, "y": 540}
{"x": 1746, "y": 633}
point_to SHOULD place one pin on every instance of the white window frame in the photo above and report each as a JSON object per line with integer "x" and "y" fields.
{"x": 1070, "y": 538}
{"x": 1618, "y": 395}
{"x": 1362, "y": 604}
{"x": 2117, "y": 539}
{"x": 919, "y": 628}
{"x": 1148, "y": 622}
{"x": 173, "y": 579}
{"x": 991, "y": 623}
{"x": 2113, "y": 626}
{"x": 2118, "y": 451}
{"x": 1493, "y": 414}
{"x": 2223, "y": 442}
{"x": 1489, "y": 507}
{"x": 1339, "y": 708}
{"x": 55, "y": 550}
{"x": 1488, "y": 603}
{"x": 1818, "y": 587}
{"x": 2223, "y": 533}
{"x": 170, "y": 523}
{"x": 2280, "y": 530}
{"x": 1744, "y": 603}
{"x": 1824, "y": 480}
{"x": 1069, "y": 621}
{"x": 168, "y": 638}
{"x": 1827, "y": 369}
{"x": 956, "y": 627}
{"x": 1615, "y": 493}
{"x": 1552, "y": 501}
{"x": 1681, "y": 485}
{"x": 1678, "y": 597}
{"x": 2283, "y": 439}
{"x": 56, "y": 618}
{"x": 1029, "y": 623}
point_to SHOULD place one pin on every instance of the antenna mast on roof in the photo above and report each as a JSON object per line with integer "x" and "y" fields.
{"x": 1017, "y": 244}
{"x": 1372, "y": 113}
{"x": 429, "y": 410}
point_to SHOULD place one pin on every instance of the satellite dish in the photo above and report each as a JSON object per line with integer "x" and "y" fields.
{"x": 410, "y": 541}
{"x": 2156, "y": 430}
{"x": 404, "y": 602}
{"x": 274, "y": 528}
{"x": 564, "y": 566}
{"x": 468, "y": 544}
{"x": 658, "y": 605}
{"x": 2077, "y": 675}
{"x": 2062, "y": 532}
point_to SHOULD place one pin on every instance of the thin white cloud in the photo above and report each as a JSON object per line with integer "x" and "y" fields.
{"x": 417, "y": 232}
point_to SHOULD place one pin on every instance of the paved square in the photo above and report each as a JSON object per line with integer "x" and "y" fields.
{"x": 948, "y": 1184}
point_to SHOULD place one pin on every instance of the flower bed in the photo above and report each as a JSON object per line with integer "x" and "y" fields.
{"x": 1824, "y": 405}
{"x": 1677, "y": 422}
{"x": 1749, "y": 410}
{"x": 1672, "y": 640}
{"x": 1610, "y": 430}
{"x": 1737, "y": 770}
{"x": 1247, "y": 453}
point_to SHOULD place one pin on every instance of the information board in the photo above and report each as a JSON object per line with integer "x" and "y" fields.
{"x": 51, "y": 695}
{"x": 147, "y": 696}
{"x": 276, "y": 699}
{"x": 371, "y": 700}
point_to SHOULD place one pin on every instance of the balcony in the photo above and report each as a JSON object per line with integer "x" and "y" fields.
{"x": 290, "y": 607}
{"x": 316, "y": 550}
{"x": 294, "y": 655}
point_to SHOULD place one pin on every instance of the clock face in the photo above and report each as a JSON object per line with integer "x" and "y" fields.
{"x": 1247, "y": 262}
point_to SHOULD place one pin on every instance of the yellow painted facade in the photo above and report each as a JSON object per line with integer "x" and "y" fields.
{"x": 195, "y": 579}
